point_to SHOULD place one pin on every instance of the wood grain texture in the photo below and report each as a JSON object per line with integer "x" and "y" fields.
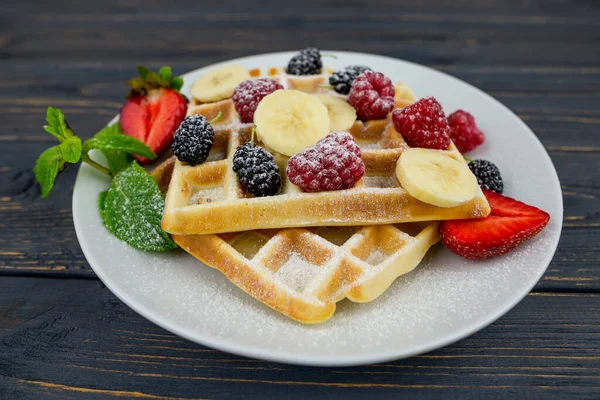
{"x": 62, "y": 336}
{"x": 78, "y": 340}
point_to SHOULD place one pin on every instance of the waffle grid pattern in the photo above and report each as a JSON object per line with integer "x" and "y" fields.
{"x": 303, "y": 273}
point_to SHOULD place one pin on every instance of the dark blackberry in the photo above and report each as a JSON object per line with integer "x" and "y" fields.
{"x": 342, "y": 79}
{"x": 193, "y": 140}
{"x": 312, "y": 52}
{"x": 256, "y": 169}
{"x": 308, "y": 62}
{"x": 487, "y": 174}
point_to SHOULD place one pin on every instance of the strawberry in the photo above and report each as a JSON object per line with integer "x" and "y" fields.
{"x": 510, "y": 223}
{"x": 154, "y": 109}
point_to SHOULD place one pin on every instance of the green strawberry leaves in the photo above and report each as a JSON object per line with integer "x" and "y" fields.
{"x": 149, "y": 80}
{"x": 132, "y": 209}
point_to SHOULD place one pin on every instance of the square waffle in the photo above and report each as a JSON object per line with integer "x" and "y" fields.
{"x": 208, "y": 198}
{"x": 303, "y": 273}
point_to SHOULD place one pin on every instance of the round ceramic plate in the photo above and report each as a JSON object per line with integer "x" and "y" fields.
{"x": 445, "y": 299}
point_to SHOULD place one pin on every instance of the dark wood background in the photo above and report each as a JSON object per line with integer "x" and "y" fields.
{"x": 64, "y": 335}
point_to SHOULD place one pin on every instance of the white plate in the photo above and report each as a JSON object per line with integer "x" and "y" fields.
{"x": 445, "y": 299}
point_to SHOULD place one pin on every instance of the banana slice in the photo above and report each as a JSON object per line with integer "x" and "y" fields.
{"x": 404, "y": 95}
{"x": 436, "y": 178}
{"x": 219, "y": 84}
{"x": 289, "y": 121}
{"x": 341, "y": 114}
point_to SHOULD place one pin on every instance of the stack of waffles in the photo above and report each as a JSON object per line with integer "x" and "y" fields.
{"x": 300, "y": 253}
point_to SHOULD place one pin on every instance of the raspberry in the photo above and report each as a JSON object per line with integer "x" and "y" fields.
{"x": 333, "y": 163}
{"x": 248, "y": 94}
{"x": 256, "y": 169}
{"x": 464, "y": 131}
{"x": 487, "y": 174}
{"x": 342, "y": 79}
{"x": 308, "y": 62}
{"x": 423, "y": 124}
{"x": 344, "y": 139}
{"x": 193, "y": 140}
{"x": 372, "y": 95}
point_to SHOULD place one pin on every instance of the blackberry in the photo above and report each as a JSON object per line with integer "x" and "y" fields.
{"x": 256, "y": 169}
{"x": 193, "y": 140}
{"x": 308, "y": 62}
{"x": 342, "y": 79}
{"x": 311, "y": 52}
{"x": 487, "y": 174}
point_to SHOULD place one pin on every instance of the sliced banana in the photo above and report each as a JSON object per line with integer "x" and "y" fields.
{"x": 436, "y": 178}
{"x": 289, "y": 121}
{"x": 341, "y": 114}
{"x": 404, "y": 95}
{"x": 219, "y": 84}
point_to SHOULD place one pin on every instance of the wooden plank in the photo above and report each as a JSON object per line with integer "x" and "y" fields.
{"x": 449, "y": 35}
{"x": 78, "y": 340}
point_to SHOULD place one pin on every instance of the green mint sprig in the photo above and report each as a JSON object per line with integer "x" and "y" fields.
{"x": 133, "y": 205}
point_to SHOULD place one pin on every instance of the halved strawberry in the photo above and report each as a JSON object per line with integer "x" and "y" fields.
{"x": 510, "y": 223}
{"x": 154, "y": 109}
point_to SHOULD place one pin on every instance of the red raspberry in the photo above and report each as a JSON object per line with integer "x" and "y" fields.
{"x": 248, "y": 94}
{"x": 372, "y": 95}
{"x": 464, "y": 131}
{"x": 333, "y": 163}
{"x": 423, "y": 124}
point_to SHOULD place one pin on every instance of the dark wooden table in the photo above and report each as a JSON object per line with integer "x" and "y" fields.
{"x": 64, "y": 335}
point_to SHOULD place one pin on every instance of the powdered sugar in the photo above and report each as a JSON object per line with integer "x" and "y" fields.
{"x": 438, "y": 295}
{"x": 376, "y": 257}
{"x": 216, "y": 156}
{"x": 369, "y": 145}
{"x": 207, "y": 195}
{"x": 296, "y": 272}
{"x": 379, "y": 181}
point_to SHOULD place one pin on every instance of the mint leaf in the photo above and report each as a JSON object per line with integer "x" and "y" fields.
{"x": 116, "y": 146}
{"x": 71, "y": 149}
{"x": 132, "y": 210}
{"x": 177, "y": 83}
{"x": 102, "y": 203}
{"x": 117, "y": 160}
{"x": 57, "y": 125}
{"x": 47, "y": 167}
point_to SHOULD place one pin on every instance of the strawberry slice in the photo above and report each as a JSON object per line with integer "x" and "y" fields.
{"x": 154, "y": 109}
{"x": 510, "y": 223}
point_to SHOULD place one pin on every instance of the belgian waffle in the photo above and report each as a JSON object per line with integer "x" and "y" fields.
{"x": 303, "y": 273}
{"x": 208, "y": 198}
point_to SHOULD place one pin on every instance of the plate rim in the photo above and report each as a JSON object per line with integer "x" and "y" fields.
{"x": 325, "y": 360}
